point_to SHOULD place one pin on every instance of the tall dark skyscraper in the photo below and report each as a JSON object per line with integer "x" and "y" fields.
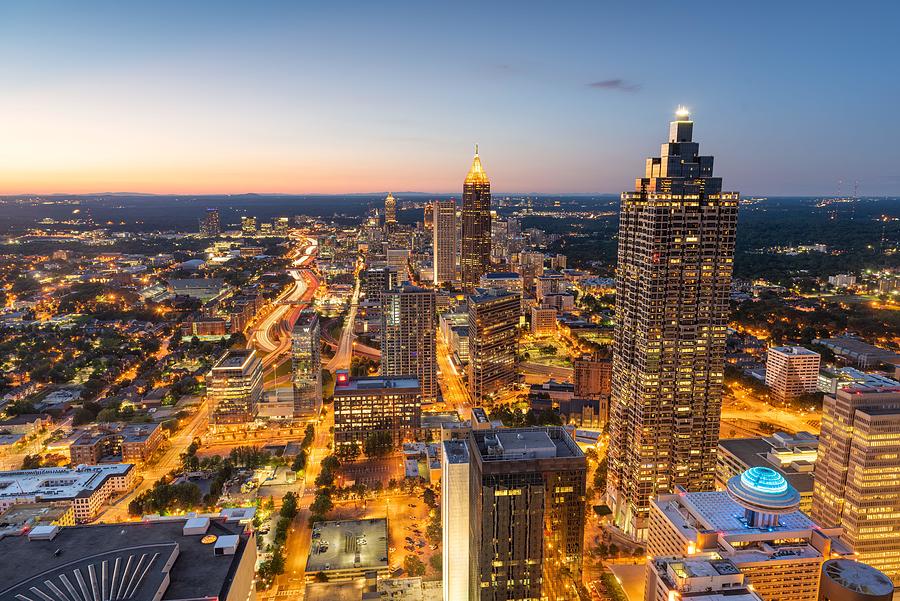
{"x": 676, "y": 247}
{"x": 475, "y": 258}
{"x": 306, "y": 364}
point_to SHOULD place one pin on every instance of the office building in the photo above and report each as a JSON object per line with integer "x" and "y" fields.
{"x": 676, "y": 247}
{"x": 493, "y": 320}
{"x": 248, "y": 225}
{"x": 830, "y": 380}
{"x": 509, "y": 281}
{"x": 210, "y": 225}
{"x": 86, "y": 488}
{"x": 398, "y": 260}
{"x": 455, "y": 519}
{"x": 233, "y": 387}
{"x": 865, "y": 355}
{"x": 526, "y": 515}
{"x": 390, "y": 210}
{"x": 306, "y": 364}
{"x": 592, "y": 377}
{"x": 756, "y": 525}
{"x": 791, "y": 455}
{"x": 475, "y": 257}
{"x": 377, "y": 281}
{"x": 543, "y": 321}
{"x": 696, "y": 579}
{"x": 444, "y": 241}
{"x": 194, "y": 558}
{"x": 847, "y": 580}
{"x": 281, "y": 226}
{"x": 791, "y": 371}
{"x": 857, "y": 474}
{"x": 375, "y": 405}
{"x": 408, "y": 330}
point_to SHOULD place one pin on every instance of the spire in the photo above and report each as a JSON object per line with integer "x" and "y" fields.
{"x": 476, "y": 172}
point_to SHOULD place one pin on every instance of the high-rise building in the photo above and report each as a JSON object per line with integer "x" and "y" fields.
{"x": 306, "y": 364}
{"x": 756, "y": 525}
{"x": 475, "y": 257}
{"x": 233, "y": 387}
{"x": 526, "y": 514}
{"x": 444, "y": 246}
{"x": 408, "y": 330}
{"x": 377, "y": 281}
{"x": 592, "y": 377}
{"x": 856, "y": 482}
{"x": 281, "y": 226}
{"x": 248, "y": 225}
{"x": 428, "y": 215}
{"x": 791, "y": 371}
{"x": 676, "y": 247}
{"x": 390, "y": 210}
{"x": 455, "y": 519}
{"x": 210, "y": 224}
{"x": 375, "y": 406}
{"x": 493, "y": 320}
{"x": 543, "y": 321}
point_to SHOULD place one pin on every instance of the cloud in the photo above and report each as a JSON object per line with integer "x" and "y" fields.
{"x": 615, "y": 84}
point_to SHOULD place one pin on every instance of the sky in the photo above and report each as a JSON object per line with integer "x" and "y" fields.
{"x": 338, "y": 97}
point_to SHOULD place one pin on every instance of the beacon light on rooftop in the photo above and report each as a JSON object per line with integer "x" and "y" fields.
{"x": 682, "y": 112}
{"x": 764, "y": 494}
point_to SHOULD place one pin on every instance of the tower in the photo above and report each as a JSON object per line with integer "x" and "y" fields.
{"x": 408, "y": 332}
{"x": 493, "y": 321}
{"x": 444, "y": 223}
{"x": 306, "y": 364}
{"x": 475, "y": 256}
{"x": 676, "y": 247}
{"x": 390, "y": 210}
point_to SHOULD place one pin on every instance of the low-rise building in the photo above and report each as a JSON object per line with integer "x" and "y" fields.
{"x": 85, "y": 488}
{"x": 128, "y": 443}
{"x": 697, "y": 579}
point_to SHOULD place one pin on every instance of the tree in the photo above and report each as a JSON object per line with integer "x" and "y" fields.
{"x": 322, "y": 504}
{"x": 31, "y": 462}
{"x": 600, "y": 475}
{"x": 414, "y": 566}
{"x": 429, "y": 497}
{"x": 289, "y": 506}
{"x": 378, "y": 444}
{"x": 352, "y": 452}
{"x": 436, "y": 562}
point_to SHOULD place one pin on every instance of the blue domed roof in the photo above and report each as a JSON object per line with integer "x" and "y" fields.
{"x": 764, "y": 489}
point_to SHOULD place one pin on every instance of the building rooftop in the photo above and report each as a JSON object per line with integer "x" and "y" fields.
{"x": 517, "y": 444}
{"x": 235, "y": 359}
{"x": 456, "y": 451}
{"x": 857, "y": 576}
{"x": 793, "y": 350}
{"x": 377, "y": 383}
{"x": 112, "y": 555}
{"x": 501, "y": 275}
{"x": 790, "y": 456}
{"x": 348, "y": 545}
{"x": 128, "y": 432}
{"x": 57, "y": 484}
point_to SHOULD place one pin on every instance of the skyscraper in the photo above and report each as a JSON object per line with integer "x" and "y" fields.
{"x": 475, "y": 258}
{"x": 856, "y": 482}
{"x": 408, "y": 330}
{"x": 390, "y": 210}
{"x": 306, "y": 364}
{"x": 791, "y": 371}
{"x": 234, "y": 385}
{"x": 526, "y": 514}
{"x": 444, "y": 222}
{"x": 455, "y": 519}
{"x": 493, "y": 319}
{"x": 210, "y": 225}
{"x": 676, "y": 246}
{"x": 248, "y": 225}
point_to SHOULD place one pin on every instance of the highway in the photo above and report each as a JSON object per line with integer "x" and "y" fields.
{"x": 453, "y": 388}
{"x": 344, "y": 353}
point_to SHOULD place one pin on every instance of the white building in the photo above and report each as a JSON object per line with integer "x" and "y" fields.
{"x": 455, "y": 518}
{"x": 792, "y": 371}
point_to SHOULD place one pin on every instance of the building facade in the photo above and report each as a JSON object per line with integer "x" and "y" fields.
{"x": 791, "y": 371}
{"x": 527, "y": 493}
{"x": 390, "y": 210}
{"x": 676, "y": 247}
{"x": 444, "y": 241}
{"x": 455, "y": 519}
{"x": 592, "y": 377}
{"x": 493, "y": 320}
{"x": 475, "y": 256}
{"x": 233, "y": 388}
{"x": 375, "y": 405}
{"x": 306, "y": 364}
{"x": 408, "y": 330}
{"x": 857, "y": 475}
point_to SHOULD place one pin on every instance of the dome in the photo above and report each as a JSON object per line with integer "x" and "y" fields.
{"x": 763, "y": 490}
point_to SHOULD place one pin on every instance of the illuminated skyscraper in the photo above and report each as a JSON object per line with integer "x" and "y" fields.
{"x": 390, "y": 209}
{"x": 408, "y": 330}
{"x": 475, "y": 258}
{"x": 248, "y": 225}
{"x": 233, "y": 387}
{"x": 857, "y": 474}
{"x": 676, "y": 247}
{"x": 306, "y": 364}
{"x": 444, "y": 212}
{"x": 493, "y": 321}
{"x": 210, "y": 225}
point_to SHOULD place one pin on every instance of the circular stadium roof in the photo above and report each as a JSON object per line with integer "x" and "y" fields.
{"x": 765, "y": 490}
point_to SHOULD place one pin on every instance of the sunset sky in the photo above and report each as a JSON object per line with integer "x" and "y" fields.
{"x": 303, "y": 97}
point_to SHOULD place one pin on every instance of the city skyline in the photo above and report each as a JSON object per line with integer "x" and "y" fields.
{"x": 161, "y": 100}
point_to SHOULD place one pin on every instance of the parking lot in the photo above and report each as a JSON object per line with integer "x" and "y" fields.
{"x": 348, "y": 545}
